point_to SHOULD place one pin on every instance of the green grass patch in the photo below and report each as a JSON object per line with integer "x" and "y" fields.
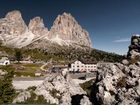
{"x": 26, "y": 69}
{"x": 87, "y": 86}
{"x": 24, "y": 74}
{"x": 32, "y": 65}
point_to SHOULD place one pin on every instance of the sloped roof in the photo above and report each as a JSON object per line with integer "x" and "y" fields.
{"x": 3, "y": 59}
{"x": 85, "y": 62}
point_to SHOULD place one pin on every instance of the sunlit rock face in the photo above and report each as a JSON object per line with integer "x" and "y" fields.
{"x": 67, "y": 29}
{"x": 65, "y": 32}
{"x": 57, "y": 90}
{"x": 62, "y": 88}
{"x": 37, "y": 27}
{"x": 14, "y": 23}
{"x": 117, "y": 84}
{"x": 11, "y": 27}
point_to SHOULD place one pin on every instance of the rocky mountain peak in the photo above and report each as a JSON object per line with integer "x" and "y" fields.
{"x": 11, "y": 27}
{"x": 36, "y": 22}
{"x": 13, "y": 23}
{"x": 65, "y": 17}
{"x": 37, "y": 27}
{"x": 65, "y": 31}
{"x": 13, "y": 15}
{"x": 67, "y": 28}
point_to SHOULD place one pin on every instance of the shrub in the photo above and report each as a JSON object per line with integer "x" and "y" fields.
{"x": 7, "y": 92}
{"x": 32, "y": 88}
{"x": 121, "y": 82}
{"x": 87, "y": 86}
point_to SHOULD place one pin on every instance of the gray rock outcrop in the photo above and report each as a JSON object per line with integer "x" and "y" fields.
{"x": 85, "y": 101}
{"x": 3, "y": 72}
{"x": 58, "y": 90}
{"x": 22, "y": 97}
{"x": 117, "y": 84}
{"x": 133, "y": 54}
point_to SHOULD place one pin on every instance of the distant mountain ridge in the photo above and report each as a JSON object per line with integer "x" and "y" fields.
{"x": 65, "y": 32}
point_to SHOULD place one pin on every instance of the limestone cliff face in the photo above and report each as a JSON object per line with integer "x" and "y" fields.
{"x": 37, "y": 27}
{"x": 65, "y": 31}
{"x": 11, "y": 27}
{"x": 14, "y": 23}
{"x": 66, "y": 28}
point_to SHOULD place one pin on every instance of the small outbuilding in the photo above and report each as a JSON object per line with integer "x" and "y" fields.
{"x": 4, "y": 61}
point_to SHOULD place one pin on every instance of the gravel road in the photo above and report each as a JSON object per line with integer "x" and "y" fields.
{"x": 25, "y": 82}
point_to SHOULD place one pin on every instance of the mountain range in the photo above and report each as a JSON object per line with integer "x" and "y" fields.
{"x": 66, "y": 31}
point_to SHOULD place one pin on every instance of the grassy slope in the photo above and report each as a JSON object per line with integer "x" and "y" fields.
{"x": 65, "y": 53}
{"x": 26, "y": 69}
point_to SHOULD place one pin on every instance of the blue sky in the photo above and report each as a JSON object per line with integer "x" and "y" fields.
{"x": 110, "y": 23}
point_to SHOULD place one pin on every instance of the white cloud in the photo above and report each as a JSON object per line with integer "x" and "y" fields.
{"x": 122, "y": 40}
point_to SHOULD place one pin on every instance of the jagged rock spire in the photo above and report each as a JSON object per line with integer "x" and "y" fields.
{"x": 67, "y": 28}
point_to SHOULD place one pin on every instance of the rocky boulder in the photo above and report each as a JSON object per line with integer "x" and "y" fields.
{"x": 59, "y": 90}
{"x": 85, "y": 101}
{"x": 3, "y": 72}
{"x": 134, "y": 49}
{"x": 117, "y": 84}
{"x": 22, "y": 97}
